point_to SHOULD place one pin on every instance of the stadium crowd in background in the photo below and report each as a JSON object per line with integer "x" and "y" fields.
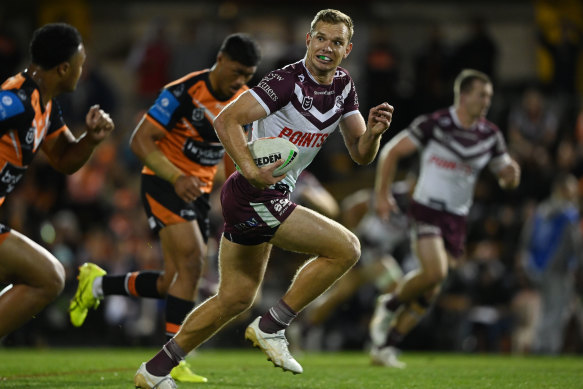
{"x": 96, "y": 214}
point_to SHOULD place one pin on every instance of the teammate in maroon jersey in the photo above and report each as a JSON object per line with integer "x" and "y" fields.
{"x": 30, "y": 120}
{"x": 304, "y": 102}
{"x": 455, "y": 144}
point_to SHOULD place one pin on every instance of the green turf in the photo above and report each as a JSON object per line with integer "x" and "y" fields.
{"x": 114, "y": 368}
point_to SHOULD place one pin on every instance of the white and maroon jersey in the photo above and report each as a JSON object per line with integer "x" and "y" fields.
{"x": 302, "y": 110}
{"x": 452, "y": 158}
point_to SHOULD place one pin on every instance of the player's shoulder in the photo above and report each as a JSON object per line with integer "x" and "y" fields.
{"x": 342, "y": 74}
{"x": 287, "y": 73}
{"x": 189, "y": 79}
{"x": 488, "y": 127}
{"x": 15, "y": 96}
{"x": 440, "y": 117}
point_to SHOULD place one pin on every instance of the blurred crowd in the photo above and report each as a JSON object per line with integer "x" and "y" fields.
{"x": 494, "y": 301}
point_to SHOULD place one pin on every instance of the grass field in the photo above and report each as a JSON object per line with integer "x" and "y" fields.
{"x": 114, "y": 368}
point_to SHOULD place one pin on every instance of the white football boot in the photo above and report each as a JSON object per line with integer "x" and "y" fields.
{"x": 274, "y": 346}
{"x": 381, "y": 321}
{"x": 145, "y": 380}
{"x": 386, "y": 356}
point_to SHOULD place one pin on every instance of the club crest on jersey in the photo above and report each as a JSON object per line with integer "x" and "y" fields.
{"x": 338, "y": 102}
{"x": 197, "y": 114}
{"x": 307, "y": 102}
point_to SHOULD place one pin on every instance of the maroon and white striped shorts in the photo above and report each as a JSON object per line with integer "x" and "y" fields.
{"x": 433, "y": 222}
{"x": 252, "y": 216}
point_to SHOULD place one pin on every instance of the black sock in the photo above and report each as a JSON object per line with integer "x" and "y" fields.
{"x": 176, "y": 311}
{"x": 138, "y": 284}
{"x": 393, "y": 303}
{"x": 277, "y": 318}
{"x": 166, "y": 359}
{"x": 394, "y": 338}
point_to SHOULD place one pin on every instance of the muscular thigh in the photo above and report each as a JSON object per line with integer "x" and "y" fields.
{"x": 306, "y": 231}
{"x": 242, "y": 267}
{"x": 182, "y": 240}
{"x": 431, "y": 253}
{"x": 25, "y": 261}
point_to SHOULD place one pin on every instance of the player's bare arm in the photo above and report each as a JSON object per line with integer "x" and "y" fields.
{"x": 143, "y": 144}
{"x": 229, "y": 128}
{"x": 509, "y": 176}
{"x": 363, "y": 140}
{"x": 67, "y": 154}
{"x": 399, "y": 147}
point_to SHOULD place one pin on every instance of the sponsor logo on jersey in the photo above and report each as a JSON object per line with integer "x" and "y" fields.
{"x": 247, "y": 224}
{"x": 267, "y": 89}
{"x": 203, "y": 153}
{"x": 9, "y": 105}
{"x": 450, "y": 165}
{"x": 303, "y": 139}
{"x": 7, "y": 100}
{"x": 186, "y": 213}
{"x": 164, "y": 107}
{"x": 280, "y": 205}
{"x": 10, "y": 175}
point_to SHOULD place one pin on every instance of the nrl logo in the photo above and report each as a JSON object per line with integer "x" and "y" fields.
{"x": 197, "y": 114}
{"x": 307, "y": 102}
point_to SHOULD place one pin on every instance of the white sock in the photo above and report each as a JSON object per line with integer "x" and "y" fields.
{"x": 97, "y": 288}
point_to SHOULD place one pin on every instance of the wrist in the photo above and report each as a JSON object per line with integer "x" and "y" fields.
{"x": 161, "y": 165}
{"x": 175, "y": 177}
{"x": 87, "y": 138}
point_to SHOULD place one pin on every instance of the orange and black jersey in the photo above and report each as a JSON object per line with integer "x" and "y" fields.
{"x": 24, "y": 125}
{"x": 186, "y": 109}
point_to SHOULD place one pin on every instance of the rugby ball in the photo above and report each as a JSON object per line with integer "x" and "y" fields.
{"x": 266, "y": 151}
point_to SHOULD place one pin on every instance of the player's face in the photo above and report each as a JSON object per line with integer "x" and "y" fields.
{"x": 327, "y": 46}
{"x": 74, "y": 70}
{"x": 478, "y": 99}
{"x": 232, "y": 75}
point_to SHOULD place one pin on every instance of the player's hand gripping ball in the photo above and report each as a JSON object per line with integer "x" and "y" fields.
{"x": 266, "y": 151}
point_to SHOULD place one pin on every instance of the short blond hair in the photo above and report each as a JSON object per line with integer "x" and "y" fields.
{"x": 333, "y": 16}
{"x": 465, "y": 80}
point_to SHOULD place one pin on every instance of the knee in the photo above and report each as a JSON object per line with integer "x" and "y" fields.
{"x": 436, "y": 277}
{"x": 54, "y": 281}
{"x": 352, "y": 251}
{"x": 191, "y": 264}
{"x": 237, "y": 301}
